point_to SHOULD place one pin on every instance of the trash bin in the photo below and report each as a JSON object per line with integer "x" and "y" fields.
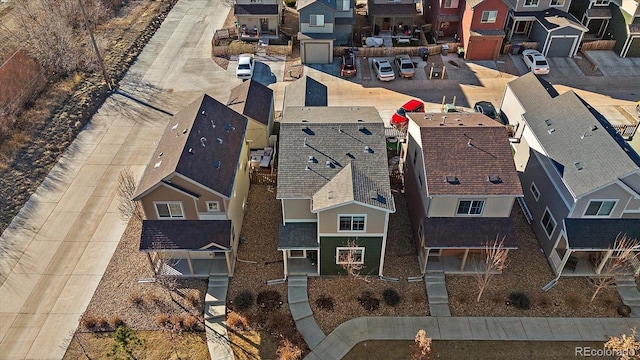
{"x": 425, "y": 54}
{"x": 515, "y": 49}
{"x": 445, "y": 49}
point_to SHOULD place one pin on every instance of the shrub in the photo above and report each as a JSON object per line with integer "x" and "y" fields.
{"x": 574, "y": 300}
{"x": 191, "y": 323}
{"x": 462, "y": 298}
{"x": 325, "y": 302}
{"x": 624, "y": 310}
{"x": 417, "y": 297}
{"x": 193, "y": 298}
{"x": 116, "y": 321}
{"x": 162, "y": 319}
{"x": 290, "y": 3}
{"x": 544, "y": 300}
{"x": 243, "y": 301}
{"x": 152, "y": 298}
{"x": 368, "y": 302}
{"x": 391, "y": 297}
{"x": 269, "y": 300}
{"x": 610, "y": 300}
{"x": 135, "y": 298}
{"x": 520, "y": 300}
{"x": 89, "y": 321}
{"x": 288, "y": 350}
{"x": 176, "y": 321}
{"x": 103, "y": 323}
{"x": 237, "y": 321}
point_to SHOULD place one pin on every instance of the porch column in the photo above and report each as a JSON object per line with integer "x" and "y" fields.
{"x": 284, "y": 260}
{"x": 227, "y": 255}
{"x": 464, "y": 259}
{"x": 606, "y": 257}
{"x": 513, "y": 28}
{"x": 190, "y": 264}
{"x": 426, "y": 258}
{"x": 563, "y": 262}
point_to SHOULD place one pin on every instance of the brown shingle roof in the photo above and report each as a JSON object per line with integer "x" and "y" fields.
{"x": 202, "y": 142}
{"x": 252, "y": 99}
{"x": 185, "y": 235}
{"x": 471, "y": 147}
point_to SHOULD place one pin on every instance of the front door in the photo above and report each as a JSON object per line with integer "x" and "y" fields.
{"x": 264, "y": 25}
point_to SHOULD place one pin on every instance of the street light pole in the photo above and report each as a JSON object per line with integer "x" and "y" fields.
{"x": 95, "y": 46}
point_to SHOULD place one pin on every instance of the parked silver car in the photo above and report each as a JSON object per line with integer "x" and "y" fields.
{"x": 405, "y": 66}
{"x": 383, "y": 69}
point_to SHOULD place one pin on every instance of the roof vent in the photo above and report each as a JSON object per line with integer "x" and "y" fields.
{"x": 552, "y": 130}
{"x": 452, "y": 179}
{"x": 160, "y": 155}
{"x": 174, "y": 127}
{"x": 191, "y": 151}
{"x": 305, "y": 120}
{"x": 360, "y": 127}
{"x": 184, "y": 131}
{"x": 229, "y": 128}
{"x": 213, "y": 124}
{"x": 204, "y": 113}
{"x": 340, "y": 129}
{"x": 494, "y": 179}
{"x": 307, "y": 168}
{"x": 329, "y": 164}
{"x": 312, "y": 159}
{"x": 305, "y": 142}
{"x": 157, "y": 165}
{"x": 350, "y": 155}
{"x": 360, "y": 120}
{"x": 579, "y": 165}
{"x": 548, "y": 122}
{"x": 594, "y": 128}
{"x": 373, "y": 194}
{"x": 444, "y": 119}
{"x": 203, "y": 140}
{"x": 217, "y": 164}
{"x": 469, "y": 142}
{"x": 480, "y": 124}
{"x": 330, "y": 195}
{"x": 367, "y": 149}
{"x": 219, "y": 140}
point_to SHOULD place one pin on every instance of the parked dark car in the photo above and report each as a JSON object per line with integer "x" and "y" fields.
{"x": 349, "y": 68}
{"x": 487, "y": 108}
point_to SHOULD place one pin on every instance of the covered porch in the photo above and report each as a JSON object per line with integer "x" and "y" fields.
{"x": 257, "y": 20}
{"x": 188, "y": 248}
{"x": 396, "y": 19}
{"x": 457, "y": 245}
{"x": 299, "y": 245}
{"x": 519, "y": 27}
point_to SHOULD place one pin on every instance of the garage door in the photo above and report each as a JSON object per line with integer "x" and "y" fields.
{"x": 481, "y": 49}
{"x": 561, "y": 46}
{"x": 316, "y": 53}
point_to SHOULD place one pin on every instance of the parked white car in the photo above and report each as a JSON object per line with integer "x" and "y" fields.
{"x": 245, "y": 66}
{"x": 536, "y": 62}
{"x": 383, "y": 69}
{"x": 405, "y": 66}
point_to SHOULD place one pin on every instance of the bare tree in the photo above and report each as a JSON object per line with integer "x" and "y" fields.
{"x": 617, "y": 258}
{"x": 421, "y": 349}
{"x": 626, "y": 347}
{"x": 350, "y": 259}
{"x": 128, "y": 208}
{"x": 495, "y": 260}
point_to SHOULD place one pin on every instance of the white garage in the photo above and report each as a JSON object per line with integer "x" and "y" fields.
{"x": 316, "y": 51}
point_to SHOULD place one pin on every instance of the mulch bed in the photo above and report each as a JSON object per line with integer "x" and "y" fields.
{"x": 587, "y": 68}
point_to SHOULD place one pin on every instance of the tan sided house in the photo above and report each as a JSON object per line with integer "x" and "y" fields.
{"x": 333, "y": 182}
{"x": 461, "y": 184}
{"x": 194, "y": 189}
{"x": 255, "y": 101}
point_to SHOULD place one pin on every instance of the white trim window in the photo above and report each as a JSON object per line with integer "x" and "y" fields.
{"x": 351, "y": 222}
{"x": 600, "y": 208}
{"x": 489, "y": 17}
{"x": 532, "y": 3}
{"x": 213, "y": 206}
{"x": 601, "y": 2}
{"x": 534, "y": 191}
{"x": 548, "y": 223}
{"x": 316, "y": 20}
{"x": 470, "y": 207}
{"x": 346, "y": 5}
{"x": 450, "y": 4}
{"x": 350, "y": 255}
{"x": 169, "y": 210}
{"x": 557, "y": 3}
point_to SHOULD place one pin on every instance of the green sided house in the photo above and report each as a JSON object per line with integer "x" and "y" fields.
{"x": 333, "y": 183}
{"x": 194, "y": 190}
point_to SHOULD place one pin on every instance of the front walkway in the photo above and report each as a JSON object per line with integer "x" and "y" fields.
{"x": 215, "y": 311}
{"x": 348, "y": 334}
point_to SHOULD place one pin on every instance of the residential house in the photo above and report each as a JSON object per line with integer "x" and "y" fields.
{"x": 258, "y": 18}
{"x": 582, "y": 180}
{"x": 323, "y": 24}
{"x": 444, "y": 15}
{"x": 305, "y": 91}
{"x": 255, "y": 101}
{"x": 482, "y": 28}
{"x": 460, "y": 184}
{"x": 618, "y": 20}
{"x": 394, "y": 16}
{"x": 546, "y": 22}
{"x": 194, "y": 189}
{"x": 333, "y": 183}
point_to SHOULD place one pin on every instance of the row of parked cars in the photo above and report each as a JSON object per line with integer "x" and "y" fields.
{"x": 383, "y": 68}
{"x": 399, "y": 119}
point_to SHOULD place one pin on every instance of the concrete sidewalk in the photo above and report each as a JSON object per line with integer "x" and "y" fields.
{"x": 345, "y": 336}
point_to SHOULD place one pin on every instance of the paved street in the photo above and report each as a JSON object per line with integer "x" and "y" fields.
{"x": 63, "y": 239}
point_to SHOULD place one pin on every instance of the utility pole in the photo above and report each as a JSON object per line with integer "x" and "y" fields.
{"x": 95, "y": 46}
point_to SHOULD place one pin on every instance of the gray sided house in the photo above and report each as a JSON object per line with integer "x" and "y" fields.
{"x": 547, "y": 22}
{"x": 581, "y": 180}
{"x": 460, "y": 184}
{"x": 323, "y": 24}
{"x": 255, "y": 101}
{"x": 194, "y": 189}
{"x": 305, "y": 91}
{"x": 333, "y": 183}
{"x": 595, "y": 15}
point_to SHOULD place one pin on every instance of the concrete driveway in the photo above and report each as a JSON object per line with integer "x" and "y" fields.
{"x": 64, "y": 237}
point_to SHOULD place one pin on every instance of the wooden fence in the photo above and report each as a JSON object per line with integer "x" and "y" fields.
{"x": 256, "y": 177}
{"x": 627, "y": 131}
{"x": 524, "y": 45}
{"x": 393, "y": 51}
{"x": 239, "y": 47}
{"x": 598, "y": 45}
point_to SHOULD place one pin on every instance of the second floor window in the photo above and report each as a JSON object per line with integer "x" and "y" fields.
{"x": 256, "y": 1}
{"x": 449, "y": 4}
{"x": 213, "y": 206}
{"x": 557, "y": 2}
{"x": 316, "y": 20}
{"x": 489, "y": 16}
{"x": 346, "y": 4}
{"x": 351, "y": 223}
{"x": 600, "y": 208}
{"x": 535, "y": 191}
{"x": 470, "y": 207}
{"x": 170, "y": 210}
{"x": 548, "y": 223}
{"x": 601, "y": 3}
{"x": 531, "y": 2}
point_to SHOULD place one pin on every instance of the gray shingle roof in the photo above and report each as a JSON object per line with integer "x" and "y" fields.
{"x": 252, "y": 99}
{"x": 305, "y": 91}
{"x": 203, "y": 143}
{"x": 256, "y": 9}
{"x": 185, "y": 235}
{"x": 298, "y": 236}
{"x": 599, "y": 233}
{"x": 392, "y": 9}
{"x": 339, "y": 136}
{"x": 468, "y": 232}
{"x": 584, "y": 153}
